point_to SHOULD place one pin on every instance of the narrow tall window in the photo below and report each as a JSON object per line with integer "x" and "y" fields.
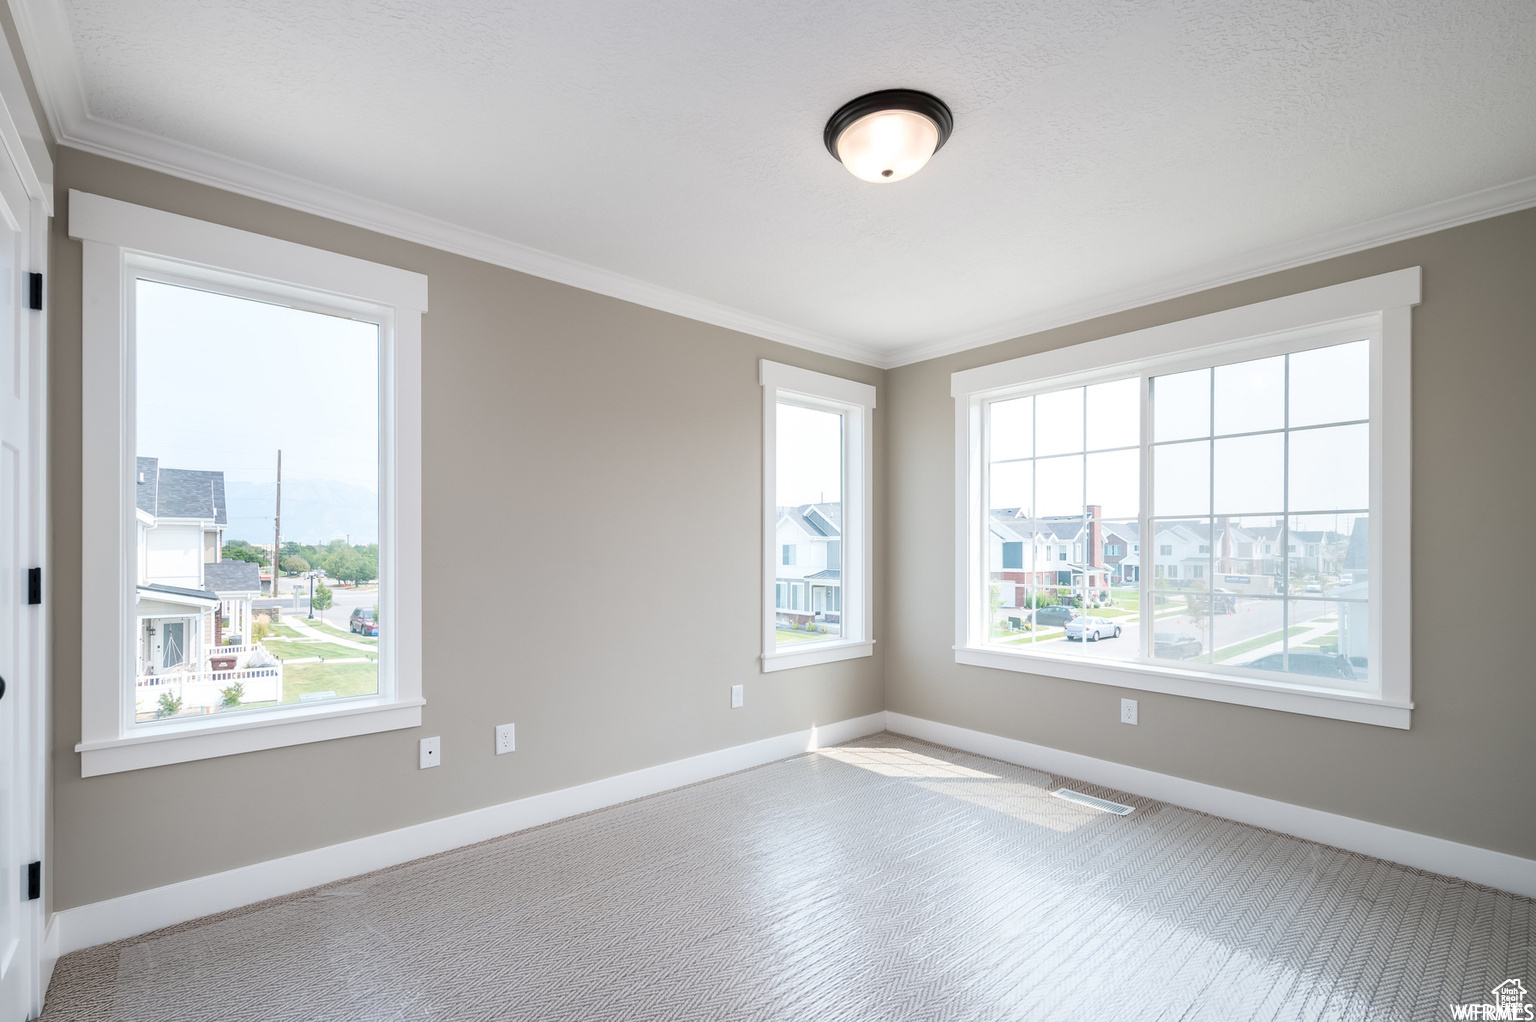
{"x": 816, "y": 517}
{"x": 809, "y": 514}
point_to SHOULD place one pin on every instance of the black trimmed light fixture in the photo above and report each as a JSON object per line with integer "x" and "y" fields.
{"x": 890, "y": 135}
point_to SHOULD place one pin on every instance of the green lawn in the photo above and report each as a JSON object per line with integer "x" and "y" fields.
{"x": 1329, "y": 639}
{"x": 342, "y": 679}
{"x": 345, "y": 634}
{"x": 784, "y": 635}
{"x": 1040, "y": 636}
{"x": 286, "y": 631}
{"x": 291, "y": 650}
{"x": 1226, "y": 653}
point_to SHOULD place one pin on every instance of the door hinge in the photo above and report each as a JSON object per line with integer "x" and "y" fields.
{"x": 34, "y": 586}
{"x": 34, "y": 881}
{"x": 35, "y": 292}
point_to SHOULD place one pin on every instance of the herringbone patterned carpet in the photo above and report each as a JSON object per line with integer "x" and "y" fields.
{"x": 886, "y": 879}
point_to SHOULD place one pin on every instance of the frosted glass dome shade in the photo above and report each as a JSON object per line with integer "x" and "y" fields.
{"x": 887, "y": 145}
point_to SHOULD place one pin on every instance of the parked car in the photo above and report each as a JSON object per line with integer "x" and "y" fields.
{"x": 1092, "y": 629}
{"x": 364, "y": 622}
{"x": 1317, "y": 665}
{"x": 1176, "y": 646}
{"x": 1058, "y": 615}
{"x": 1314, "y": 587}
{"x": 1222, "y": 601}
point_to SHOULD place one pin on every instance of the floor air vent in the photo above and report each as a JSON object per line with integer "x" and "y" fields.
{"x": 1101, "y": 804}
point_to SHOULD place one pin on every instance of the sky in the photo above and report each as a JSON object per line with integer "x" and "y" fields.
{"x": 224, "y": 383}
{"x": 809, "y": 456}
{"x": 1059, "y": 451}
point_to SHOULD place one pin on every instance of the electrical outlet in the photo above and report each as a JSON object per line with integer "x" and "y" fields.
{"x": 506, "y": 739}
{"x": 1127, "y": 711}
{"x": 737, "y": 696}
{"x": 431, "y": 752}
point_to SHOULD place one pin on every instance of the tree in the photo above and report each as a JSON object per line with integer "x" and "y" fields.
{"x": 347, "y": 565}
{"x": 322, "y": 599}
{"x": 240, "y": 550}
{"x": 293, "y": 563}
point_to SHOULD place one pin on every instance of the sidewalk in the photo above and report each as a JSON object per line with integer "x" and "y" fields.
{"x": 305, "y": 631}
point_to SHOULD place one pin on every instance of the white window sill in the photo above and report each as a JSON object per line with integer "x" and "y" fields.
{"x": 820, "y": 653}
{"x": 1316, "y": 702}
{"x": 159, "y": 745}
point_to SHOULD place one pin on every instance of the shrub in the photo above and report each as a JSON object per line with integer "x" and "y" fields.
{"x": 231, "y": 695}
{"x": 170, "y": 705}
{"x": 262, "y": 630}
{"x": 822, "y": 629}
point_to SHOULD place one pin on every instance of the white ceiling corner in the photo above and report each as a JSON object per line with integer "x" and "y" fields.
{"x": 1106, "y": 155}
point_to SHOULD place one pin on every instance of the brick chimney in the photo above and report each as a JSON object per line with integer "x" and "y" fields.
{"x": 1095, "y": 536}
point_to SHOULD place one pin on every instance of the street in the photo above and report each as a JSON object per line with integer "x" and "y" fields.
{"x": 1234, "y": 633}
{"x": 344, "y": 600}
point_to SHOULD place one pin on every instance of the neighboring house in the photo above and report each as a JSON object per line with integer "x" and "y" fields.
{"x": 808, "y": 552}
{"x": 1355, "y": 618}
{"x": 1051, "y": 554}
{"x": 1122, "y": 552}
{"x": 185, "y": 591}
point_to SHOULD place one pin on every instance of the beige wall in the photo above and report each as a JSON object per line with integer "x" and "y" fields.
{"x": 563, "y": 431}
{"x": 1465, "y": 771}
{"x": 566, "y": 429}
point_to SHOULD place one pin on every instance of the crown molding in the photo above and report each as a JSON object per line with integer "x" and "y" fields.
{"x": 44, "y": 29}
{"x": 1437, "y": 216}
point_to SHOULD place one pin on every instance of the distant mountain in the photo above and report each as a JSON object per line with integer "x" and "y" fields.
{"x": 314, "y": 511}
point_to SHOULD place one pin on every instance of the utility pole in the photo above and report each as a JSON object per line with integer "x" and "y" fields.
{"x": 277, "y": 524}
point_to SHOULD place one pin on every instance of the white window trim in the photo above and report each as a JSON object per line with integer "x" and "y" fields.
{"x": 1382, "y": 305}
{"x": 857, "y": 403}
{"x": 120, "y": 240}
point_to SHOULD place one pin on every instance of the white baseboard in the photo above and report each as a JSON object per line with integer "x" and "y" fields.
{"x": 47, "y": 958}
{"x": 1437, "y": 855}
{"x": 133, "y": 914}
{"x": 100, "y": 922}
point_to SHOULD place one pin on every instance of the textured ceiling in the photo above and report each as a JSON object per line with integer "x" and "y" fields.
{"x": 1099, "y": 146}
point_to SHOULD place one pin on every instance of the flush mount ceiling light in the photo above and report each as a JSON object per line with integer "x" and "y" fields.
{"x": 888, "y": 136}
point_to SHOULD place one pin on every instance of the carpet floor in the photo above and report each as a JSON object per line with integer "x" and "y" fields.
{"x": 886, "y": 879}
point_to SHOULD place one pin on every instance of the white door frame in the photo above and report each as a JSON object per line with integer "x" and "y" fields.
{"x": 22, "y": 143}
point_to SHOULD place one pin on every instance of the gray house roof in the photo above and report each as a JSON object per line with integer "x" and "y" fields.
{"x": 149, "y": 482}
{"x": 180, "y": 492}
{"x": 827, "y": 519}
{"x": 827, "y": 573}
{"x": 1025, "y": 527}
{"x": 231, "y": 576}
{"x": 1358, "y": 556}
{"x": 156, "y": 587}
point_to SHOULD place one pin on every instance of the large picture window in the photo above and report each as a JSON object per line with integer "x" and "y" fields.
{"x": 251, "y": 490}
{"x": 816, "y": 431}
{"x": 1204, "y": 508}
